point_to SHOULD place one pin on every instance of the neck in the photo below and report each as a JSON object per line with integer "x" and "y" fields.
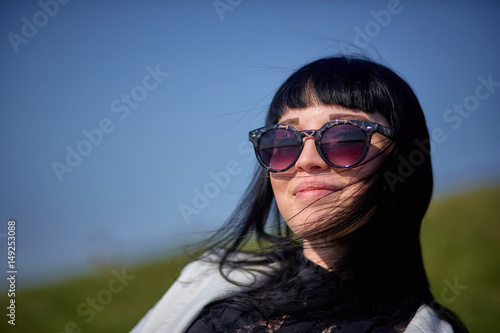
{"x": 322, "y": 253}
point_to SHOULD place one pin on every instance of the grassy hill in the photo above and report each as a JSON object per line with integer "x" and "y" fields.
{"x": 461, "y": 246}
{"x": 460, "y": 239}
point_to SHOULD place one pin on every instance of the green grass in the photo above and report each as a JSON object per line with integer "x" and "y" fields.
{"x": 461, "y": 245}
{"x": 460, "y": 239}
{"x": 54, "y": 308}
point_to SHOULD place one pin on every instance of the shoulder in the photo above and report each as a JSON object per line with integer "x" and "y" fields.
{"x": 427, "y": 321}
{"x": 199, "y": 284}
{"x": 208, "y": 267}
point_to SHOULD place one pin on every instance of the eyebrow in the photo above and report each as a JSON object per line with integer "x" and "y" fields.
{"x": 333, "y": 116}
{"x": 290, "y": 121}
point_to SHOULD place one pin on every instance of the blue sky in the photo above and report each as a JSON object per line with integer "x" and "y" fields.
{"x": 157, "y": 98}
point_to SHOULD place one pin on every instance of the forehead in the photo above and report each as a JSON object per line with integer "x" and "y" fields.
{"x": 325, "y": 113}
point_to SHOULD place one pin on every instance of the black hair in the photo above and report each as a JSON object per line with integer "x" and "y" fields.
{"x": 377, "y": 236}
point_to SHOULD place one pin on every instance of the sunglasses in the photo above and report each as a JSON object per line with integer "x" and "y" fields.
{"x": 340, "y": 143}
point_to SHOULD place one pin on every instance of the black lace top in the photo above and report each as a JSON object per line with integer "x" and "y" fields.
{"x": 266, "y": 310}
{"x": 220, "y": 317}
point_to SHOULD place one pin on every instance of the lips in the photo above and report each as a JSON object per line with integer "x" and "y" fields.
{"x": 313, "y": 190}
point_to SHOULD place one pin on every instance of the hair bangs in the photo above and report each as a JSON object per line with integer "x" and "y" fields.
{"x": 350, "y": 83}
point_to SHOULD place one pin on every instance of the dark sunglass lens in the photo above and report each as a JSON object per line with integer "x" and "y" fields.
{"x": 343, "y": 145}
{"x": 278, "y": 148}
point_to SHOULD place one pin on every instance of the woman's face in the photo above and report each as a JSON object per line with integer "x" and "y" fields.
{"x": 311, "y": 188}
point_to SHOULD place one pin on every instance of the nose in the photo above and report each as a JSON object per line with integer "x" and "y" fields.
{"x": 309, "y": 160}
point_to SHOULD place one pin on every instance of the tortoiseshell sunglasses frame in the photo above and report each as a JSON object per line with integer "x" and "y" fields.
{"x": 368, "y": 127}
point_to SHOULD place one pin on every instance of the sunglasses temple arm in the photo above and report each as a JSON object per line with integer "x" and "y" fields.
{"x": 386, "y": 131}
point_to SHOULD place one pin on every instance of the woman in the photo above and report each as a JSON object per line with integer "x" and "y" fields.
{"x": 326, "y": 238}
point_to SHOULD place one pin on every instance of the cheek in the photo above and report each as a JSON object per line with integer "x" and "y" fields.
{"x": 279, "y": 188}
{"x": 373, "y": 160}
{"x": 281, "y": 195}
